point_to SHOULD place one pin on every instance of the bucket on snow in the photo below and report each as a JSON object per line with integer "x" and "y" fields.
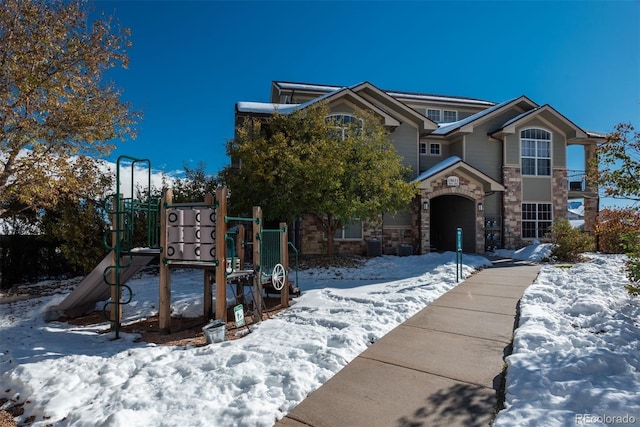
{"x": 215, "y": 331}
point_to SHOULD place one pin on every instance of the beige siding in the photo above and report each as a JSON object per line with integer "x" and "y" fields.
{"x": 341, "y": 108}
{"x": 405, "y": 141}
{"x": 456, "y": 148}
{"x": 483, "y": 152}
{"x": 513, "y": 149}
{"x": 427, "y": 161}
{"x": 536, "y": 189}
{"x": 559, "y": 151}
{"x": 493, "y": 204}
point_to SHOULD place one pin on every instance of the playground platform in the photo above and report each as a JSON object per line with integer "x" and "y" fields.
{"x": 442, "y": 367}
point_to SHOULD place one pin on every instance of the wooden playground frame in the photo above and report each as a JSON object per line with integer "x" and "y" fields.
{"x": 215, "y": 270}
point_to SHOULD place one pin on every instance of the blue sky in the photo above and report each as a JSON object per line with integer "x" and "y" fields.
{"x": 191, "y": 61}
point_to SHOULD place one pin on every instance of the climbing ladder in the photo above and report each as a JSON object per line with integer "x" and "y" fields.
{"x": 134, "y": 229}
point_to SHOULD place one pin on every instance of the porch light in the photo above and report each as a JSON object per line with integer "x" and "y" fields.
{"x": 425, "y": 206}
{"x": 480, "y": 207}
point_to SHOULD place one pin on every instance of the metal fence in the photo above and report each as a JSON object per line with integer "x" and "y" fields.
{"x": 29, "y": 259}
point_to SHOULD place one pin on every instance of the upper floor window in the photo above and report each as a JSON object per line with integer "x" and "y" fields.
{"x": 449, "y": 116}
{"x": 434, "y": 115}
{"x": 431, "y": 149}
{"x": 535, "y": 152}
{"x": 342, "y": 123}
{"x": 442, "y": 116}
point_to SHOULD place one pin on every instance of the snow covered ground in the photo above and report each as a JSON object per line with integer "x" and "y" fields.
{"x": 576, "y": 352}
{"x": 576, "y": 356}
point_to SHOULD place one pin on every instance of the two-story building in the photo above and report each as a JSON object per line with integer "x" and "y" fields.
{"x": 496, "y": 170}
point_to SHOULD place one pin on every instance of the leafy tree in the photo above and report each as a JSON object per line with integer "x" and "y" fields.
{"x": 612, "y": 227}
{"x": 79, "y": 225}
{"x": 617, "y": 164}
{"x": 303, "y": 163}
{"x": 618, "y": 173}
{"x": 195, "y": 184}
{"x": 54, "y": 105}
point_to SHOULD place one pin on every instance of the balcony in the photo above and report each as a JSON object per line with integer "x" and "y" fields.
{"x": 577, "y": 185}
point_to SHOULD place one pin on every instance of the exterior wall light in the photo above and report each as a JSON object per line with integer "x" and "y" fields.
{"x": 480, "y": 207}
{"x": 425, "y": 206}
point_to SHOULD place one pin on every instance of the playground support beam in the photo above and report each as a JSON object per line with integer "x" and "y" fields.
{"x": 257, "y": 281}
{"x": 115, "y": 314}
{"x": 164, "y": 312}
{"x": 221, "y": 279}
{"x": 208, "y": 274}
{"x": 284, "y": 258}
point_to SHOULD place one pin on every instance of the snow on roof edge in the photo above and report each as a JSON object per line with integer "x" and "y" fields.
{"x": 439, "y": 167}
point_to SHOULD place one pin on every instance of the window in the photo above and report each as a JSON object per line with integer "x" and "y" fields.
{"x": 535, "y": 152}
{"x": 435, "y": 149}
{"x": 442, "y": 116}
{"x": 423, "y": 148}
{"x": 352, "y": 231}
{"x": 449, "y": 116}
{"x": 536, "y": 220}
{"x": 434, "y": 115}
{"x": 342, "y": 123}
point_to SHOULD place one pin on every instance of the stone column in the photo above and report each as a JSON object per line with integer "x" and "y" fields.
{"x": 425, "y": 229}
{"x": 512, "y": 206}
{"x": 591, "y": 204}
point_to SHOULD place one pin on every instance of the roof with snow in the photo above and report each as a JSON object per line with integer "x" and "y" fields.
{"x": 450, "y": 127}
{"x": 456, "y": 163}
{"x": 394, "y": 93}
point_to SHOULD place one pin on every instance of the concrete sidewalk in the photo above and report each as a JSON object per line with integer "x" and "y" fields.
{"x": 442, "y": 367}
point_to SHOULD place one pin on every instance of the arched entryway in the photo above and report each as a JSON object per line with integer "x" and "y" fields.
{"x": 447, "y": 213}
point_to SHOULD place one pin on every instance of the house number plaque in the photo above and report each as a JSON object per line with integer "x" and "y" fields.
{"x": 453, "y": 181}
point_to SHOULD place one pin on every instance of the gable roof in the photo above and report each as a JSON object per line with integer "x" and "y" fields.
{"x": 340, "y": 93}
{"x": 466, "y": 125}
{"x": 452, "y": 163}
{"x": 380, "y": 97}
{"x": 314, "y": 87}
{"x": 546, "y": 112}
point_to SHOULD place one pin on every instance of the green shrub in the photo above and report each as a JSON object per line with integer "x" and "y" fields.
{"x": 569, "y": 242}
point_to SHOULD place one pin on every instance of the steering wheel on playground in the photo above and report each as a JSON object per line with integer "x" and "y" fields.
{"x": 278, "y": 277}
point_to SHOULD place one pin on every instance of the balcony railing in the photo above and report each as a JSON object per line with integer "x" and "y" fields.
{"x": 577, "y": 180}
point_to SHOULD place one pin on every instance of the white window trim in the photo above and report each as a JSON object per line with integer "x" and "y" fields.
{"x": 536, "y": 157}
{"x": 439, "y": 145}
{"x": 344, "y": 128}
{"x": 450, "y": 111}
{"x": 348, "y": 239}
{"x": 441, "y": 112}
{"x": 426, "y": 148}
{"x": 536, "y": 221}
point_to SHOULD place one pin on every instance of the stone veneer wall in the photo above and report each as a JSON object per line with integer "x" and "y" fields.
{"x": 591, "y": 211}
{"x": 560, "y": 194}
{"x": 512, "y": 205}
{"x": 468, "y": 189}
{"x": 314, "y": 242}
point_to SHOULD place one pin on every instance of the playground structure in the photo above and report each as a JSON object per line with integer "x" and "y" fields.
{"x": 185, "y": 235}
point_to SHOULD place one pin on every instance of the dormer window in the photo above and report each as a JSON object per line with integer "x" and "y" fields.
{"x": 442, "y": 116}
{"x": 449, "y": 116}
